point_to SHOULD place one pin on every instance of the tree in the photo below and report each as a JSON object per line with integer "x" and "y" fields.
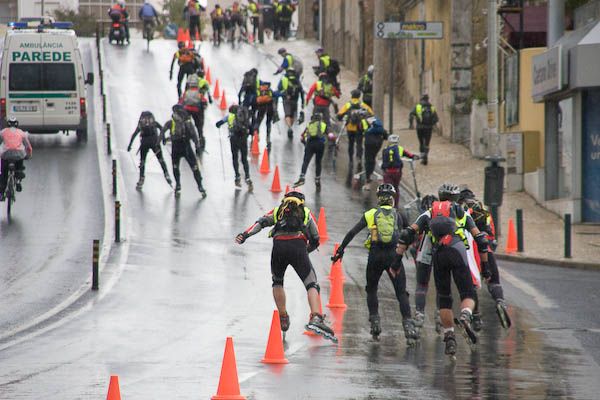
{"x": 84, "y": 23}
{"x": 174, "y": 11}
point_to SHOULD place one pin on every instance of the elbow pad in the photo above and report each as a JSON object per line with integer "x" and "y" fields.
{"x": 407, "y": 236}
{"x": 482, "y": 242}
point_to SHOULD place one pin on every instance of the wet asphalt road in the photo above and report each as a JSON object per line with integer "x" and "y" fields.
{"x": 161, "y": 323}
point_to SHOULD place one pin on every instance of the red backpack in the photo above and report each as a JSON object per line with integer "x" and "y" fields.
{"x": 443, "y": 221}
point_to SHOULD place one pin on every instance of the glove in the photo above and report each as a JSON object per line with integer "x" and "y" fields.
{"x": 485, "y": 272}
{"x": 219, "y": 123}
{"x": 241, "y": 237}
{"x": 128, "y": 148}
{"x": 338, "y": 255}
{"x": 210, "y": 100}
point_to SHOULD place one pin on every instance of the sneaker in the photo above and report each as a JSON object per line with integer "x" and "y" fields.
{"x": 477, "y": 323}
{"x": 317, "y": 324}
{"x": 284, "y": 321}
{"x": 375, "y": 326}
{"x": 419, "y": 319}
{"x": 299, "y": 182}
{"x": 450, "y": 341}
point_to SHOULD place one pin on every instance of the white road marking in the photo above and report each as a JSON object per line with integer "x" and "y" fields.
{"x": 540, "y": 299}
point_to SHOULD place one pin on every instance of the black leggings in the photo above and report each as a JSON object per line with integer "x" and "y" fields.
{"x": 198, "y": 118}
{"x": 292, "y": 252}
{"x": 380, "y": 259}
{"x": 372, "y": 147}
{"x": 423, "y": 276}
{"x": 261, "y": 111}
{"x": 145, "y": 148}
{"x": 194, "y": 26}
{"x": 239, "y": 145}
{"x": 424, "y": 135}
{"x": 355, "y": 138}
{"x": 184, "y": 70}
{"x": 494, "y": 286}
{"x": 448, "y": 263}
{"x": 184, "y": 150}
{"x": 314, "y": 147}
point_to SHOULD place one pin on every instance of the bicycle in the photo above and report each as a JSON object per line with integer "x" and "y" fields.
{"x": 148, "y": 34}
{"x": 10, "y": 190}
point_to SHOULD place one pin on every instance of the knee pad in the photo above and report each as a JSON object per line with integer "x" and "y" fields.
{"x": 445, "y": 301}
{"x": 313, "y": 285}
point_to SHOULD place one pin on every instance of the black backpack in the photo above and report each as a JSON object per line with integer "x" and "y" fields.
{"x": 428, "y": 116}
{"x": 178, "y": 127}
{"x": 249, "y": 81}
{"x": 356, "y": 116}
{"x": 334, "y": 68}
{"x": 147, "y": 124}
{"x": 241, "y": 124}
{"x": 290, "y": 217}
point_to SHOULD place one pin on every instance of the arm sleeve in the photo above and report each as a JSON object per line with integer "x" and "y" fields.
{"x": 173, "y": 62}
{"x": 135, "y": 133}
{"x": 302, "y": 96}
{"x": 312, "y": 231}
{"x": 310, "y": 92}
{"x": 360, "y": 225}
{"x": 194, "y": 134}
{"x": 423, "y": 221}
{"x": 263, "y": 222}
{"x": 469, "y": 223}
{"x": 408, "y": 154}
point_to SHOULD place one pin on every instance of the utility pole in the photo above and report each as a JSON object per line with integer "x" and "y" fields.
{"x": 556, "y": 28}
{"x": 492, "y": 80}
{"x": 378, "y": 58}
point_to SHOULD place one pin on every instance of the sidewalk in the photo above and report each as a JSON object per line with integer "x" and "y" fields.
{"x": 543, "y": 230}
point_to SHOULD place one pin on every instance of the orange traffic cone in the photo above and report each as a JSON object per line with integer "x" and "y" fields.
{"x": 511, "y": 240}
{"x": 255, "y": 151}
{"x": 114, "y": 393}
{"x": 336, "y": 296}
{"x": 208, "y": 78}
{"x": 216, "y": 93}
{"x": 311, "y": 333}
{"x": 287, "y": 189}
{"x": 276, "y": 186}
{"x": 322, "y": 225}
{"x": 274, "y": 353}
{"x": 180, "y": 36}
{"x": 264, "y": 164}
{"x": 229, "y": 386}
{"x": 336, "y": 271}
{"x": 223, "y": 105}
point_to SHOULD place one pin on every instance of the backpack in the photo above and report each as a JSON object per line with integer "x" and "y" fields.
{"x": 427, "y": 116}
{"x": 241, "y": 124}
{"x": 334, "y": 68}
{"x": 356, "y": 116}
{"x": 178, "y": 128}
{"x": 290, "y": 217}
{"x": 298, "y": 67}
{"x": 265, "y": 95}
{"x": 147, "y": 124}
{"x": 315, "y": 130}
{"x": 185, "y": 56}
{"x": 249, "y": 81}
{"x": 443, "y": 221}
{"x": 326, "y": 90}
{"x": 386, "y": 226}
{"x": 192, "y": 97}
{"x": 292, "y": 86}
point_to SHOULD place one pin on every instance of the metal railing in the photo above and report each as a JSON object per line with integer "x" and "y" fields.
{"x": 587, "y": 13}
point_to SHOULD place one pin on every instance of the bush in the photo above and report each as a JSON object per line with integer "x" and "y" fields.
{"x": 84, "y": 23}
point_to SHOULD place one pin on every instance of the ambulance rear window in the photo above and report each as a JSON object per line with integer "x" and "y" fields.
{"x": 41, "y": 77}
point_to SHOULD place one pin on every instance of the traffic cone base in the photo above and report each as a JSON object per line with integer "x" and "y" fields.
{"x": 223, "y": 105}
{"x": 274, "y": 353}
{"x": 276, "y": 186}
{"x": 114, "y": 393}
{"x": 264, "y": 165}
{"x": 229, "y": 386}
{"x": 511, "y": 239}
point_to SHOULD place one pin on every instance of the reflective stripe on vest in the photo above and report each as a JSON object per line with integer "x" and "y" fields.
{"x": 391, "y": 152}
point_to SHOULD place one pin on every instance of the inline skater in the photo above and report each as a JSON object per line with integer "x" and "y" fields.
{"x": 313, "y": 139}
{"x": 253, "y": 8}
{"x": 289, "y": 62}
{"x": 291, "y": 92}
{"x": 329, "y": 66}
{"x": 365, "y": 85}
{"x": 239, "y": 123}
{"x": 324, "y": 92}
{"x": 375, "y": 135}
{"x": 385, "y": 224}
{"x": 194, "y": 101}
{"x": 217, "y": 18}
{"x": 294, "y": 235}
{"x": 247, "y": 93}
{"x": 149, "y": 131}
{"x": 447, "y": 223}
{"x": 355, "y": 112}
{"x": 426, "y": 117}
{"x": 187, "y": 62}
{"x": 182, "y": 131}
{"x": 265, "y": 106}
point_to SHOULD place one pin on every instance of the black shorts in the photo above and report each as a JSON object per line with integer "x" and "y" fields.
{"x": 449, "y": 263}
{"x": 291, "y": 252}
{"x": 290, "y": 108}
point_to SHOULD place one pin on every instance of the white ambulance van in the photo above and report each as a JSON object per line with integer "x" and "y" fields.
{"x": 42, "y": 80}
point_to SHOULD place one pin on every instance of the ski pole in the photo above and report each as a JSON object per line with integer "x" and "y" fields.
{"x": 412, "y": 168}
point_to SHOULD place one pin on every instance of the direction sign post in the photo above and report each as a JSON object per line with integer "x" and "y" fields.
{"x": 418, "y": 30}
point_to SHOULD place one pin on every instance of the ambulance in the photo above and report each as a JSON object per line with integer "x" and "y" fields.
{"x": 42, "y": 80}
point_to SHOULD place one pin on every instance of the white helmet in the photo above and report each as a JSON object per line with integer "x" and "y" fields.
{"x": 394, "y": 139}
{"x": 370, "y": 69}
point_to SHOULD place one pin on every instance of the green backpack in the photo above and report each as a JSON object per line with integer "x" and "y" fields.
{"x": 386, "y": 221}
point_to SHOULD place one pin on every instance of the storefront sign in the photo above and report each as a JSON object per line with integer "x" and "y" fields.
{"x": 547, "y": 73}
{"x": 409, "y": 30}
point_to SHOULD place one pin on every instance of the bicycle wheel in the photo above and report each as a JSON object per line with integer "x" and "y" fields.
{"x": 10, "y": 196}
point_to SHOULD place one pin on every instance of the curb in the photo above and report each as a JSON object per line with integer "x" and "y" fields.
{"x": 581, "y": 265}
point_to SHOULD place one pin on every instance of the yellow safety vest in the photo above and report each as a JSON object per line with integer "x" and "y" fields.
{"x": 317, "y": 129}
{"x": 326, "y": 60}
{"x": 230, "y": 120}
{"x": 419, "y": 111}
{"x": 370, "y": 218}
